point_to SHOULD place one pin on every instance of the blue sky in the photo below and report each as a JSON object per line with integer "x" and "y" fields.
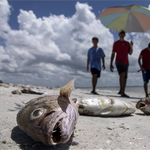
{"x": 67, "y": 7}
{"x": 46, "y": 42}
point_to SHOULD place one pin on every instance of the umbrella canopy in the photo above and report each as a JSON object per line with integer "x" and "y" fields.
{"x": 131, "y": 18}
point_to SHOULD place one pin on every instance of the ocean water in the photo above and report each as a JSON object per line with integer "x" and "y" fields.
{"x": 139, "y": 90}
{"x": 128, "y": 90}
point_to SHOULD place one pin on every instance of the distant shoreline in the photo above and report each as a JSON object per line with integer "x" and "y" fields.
{"x": 12, "y": 84}
{"x": 106, "y": 87}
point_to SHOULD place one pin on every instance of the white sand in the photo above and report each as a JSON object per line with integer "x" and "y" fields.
{"x": 92, "y": 133}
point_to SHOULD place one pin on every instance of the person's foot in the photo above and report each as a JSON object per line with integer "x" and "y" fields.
{"x": 93, "y": 92}
{"x": 125, "y": 95}
{"x": 119, "y": 92}
{"x": 147, "y": 95}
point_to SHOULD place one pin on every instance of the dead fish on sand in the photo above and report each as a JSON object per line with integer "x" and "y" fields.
{"x": 50, "y": 119}
{"x": 144, "y": 105}
{"x": 27, "y": 91}
{"x": 104, "y": 106}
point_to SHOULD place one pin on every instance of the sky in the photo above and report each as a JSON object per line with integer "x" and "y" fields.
{"x": 45, "y": 43}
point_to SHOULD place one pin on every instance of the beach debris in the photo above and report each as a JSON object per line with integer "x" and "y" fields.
{"x": 4, "y": 85}
{"x": 105, "y": 106}
{"x": 4, "y": 142}
{"x": 31, "y": 91}
{"x": 50, "y": 119}
{"x": 123, "y": 127}
{"x": 144, "y": 105}
{"x": 17, "y": 92}
{"x": 74, "y": 143}
{"x": 27, "y": 91}
{"x": 21, "y": 86}
{"x": 109, "y": 128}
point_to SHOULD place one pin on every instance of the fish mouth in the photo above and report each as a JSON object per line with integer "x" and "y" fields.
{"x": 57, "y": 133}
{"x": 52, "y": 126}
{"x": 140, "y": 105}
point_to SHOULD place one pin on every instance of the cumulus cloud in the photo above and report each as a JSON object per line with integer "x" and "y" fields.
{"x": 4, "y": 16}
{"x": 49, "y": 51}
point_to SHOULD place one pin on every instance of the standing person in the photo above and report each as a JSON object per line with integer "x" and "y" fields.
{"x": 122, "y": 48}
{"x": 95, "y": 54}
{"x": 145, "y": 66}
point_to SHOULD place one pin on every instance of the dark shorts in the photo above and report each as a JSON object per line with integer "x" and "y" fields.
{"x": 95, "y": 71}
{"x": 122, "y": 68}
{"x": 147, "y": 76}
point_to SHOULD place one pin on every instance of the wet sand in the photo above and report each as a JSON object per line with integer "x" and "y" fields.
{"x": 91, "y": 133}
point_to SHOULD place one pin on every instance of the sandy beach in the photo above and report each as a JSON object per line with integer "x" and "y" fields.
{"x": 91, "y": 133}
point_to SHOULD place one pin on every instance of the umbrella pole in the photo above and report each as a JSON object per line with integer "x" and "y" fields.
{"x": 131, "y": 37}
{"x": 130, "y": 27}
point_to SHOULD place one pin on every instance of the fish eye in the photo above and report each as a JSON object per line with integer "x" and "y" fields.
{"x": 36, "y": 113}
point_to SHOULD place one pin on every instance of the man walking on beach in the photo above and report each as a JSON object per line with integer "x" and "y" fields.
{"x": 145, "y": 66}
{"x": 95, "y": 54}
{"x": 122, "y": 48}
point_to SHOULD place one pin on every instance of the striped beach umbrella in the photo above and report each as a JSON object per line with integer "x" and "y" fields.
{"x": 132, "y": 18}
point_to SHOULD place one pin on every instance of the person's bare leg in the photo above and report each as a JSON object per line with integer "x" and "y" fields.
{"x": 120, "y": 86}
{"x": 146, "y": 89}
{"x": 124, "y": 85}
{"x": 94, "y": 82}
{"x": 122, "y": 82}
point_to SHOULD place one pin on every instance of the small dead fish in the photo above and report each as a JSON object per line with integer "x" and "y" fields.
{"x": 50, "y": 119}
{"x": 144, "y": 105}
{"x": 104, "y": 106}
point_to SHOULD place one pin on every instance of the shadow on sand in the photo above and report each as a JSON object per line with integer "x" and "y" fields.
{"x": 141, "y": 114}
{"x": 123, "y": 97}
{"x": 118, "y": 96}
{"x": 27, "y": 143}
{"x": 121, "y": 116}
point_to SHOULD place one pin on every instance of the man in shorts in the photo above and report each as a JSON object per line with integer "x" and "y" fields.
{"x": 94, "y": 56}
{"x": 121, "y": 48}
{"x": 145, "y": 66}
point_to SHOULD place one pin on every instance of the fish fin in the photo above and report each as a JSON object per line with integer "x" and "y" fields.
{"x": 25, "y": 103}
{"x": 19, "y": 105}
{"x": 66, "y": 90}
